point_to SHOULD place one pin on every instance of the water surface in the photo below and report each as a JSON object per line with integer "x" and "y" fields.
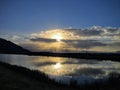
{"x": 65, "y": 68}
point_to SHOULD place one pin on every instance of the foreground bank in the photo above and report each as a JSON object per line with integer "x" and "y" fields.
{"x": 18, "y": 78}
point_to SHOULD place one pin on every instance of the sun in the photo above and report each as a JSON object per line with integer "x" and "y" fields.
{"x": 57, "y": 65}
{"x": 57, "y": 36}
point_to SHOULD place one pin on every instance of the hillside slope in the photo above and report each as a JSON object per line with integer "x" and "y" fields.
{"x": 20, "y": 78}
{"x": 9, "y": 47}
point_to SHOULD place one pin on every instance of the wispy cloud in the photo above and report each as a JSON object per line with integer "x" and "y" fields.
{"x": 96, "y": 37}
{"x": 95, "y": 32}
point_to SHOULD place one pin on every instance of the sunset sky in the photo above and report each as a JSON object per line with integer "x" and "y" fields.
{"x": 62, "y": 25}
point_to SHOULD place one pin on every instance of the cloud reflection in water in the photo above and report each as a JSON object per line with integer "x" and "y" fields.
{"x": 77, "y": 67}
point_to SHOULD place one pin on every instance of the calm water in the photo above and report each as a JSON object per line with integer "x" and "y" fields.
{"x": 65, "y": 68}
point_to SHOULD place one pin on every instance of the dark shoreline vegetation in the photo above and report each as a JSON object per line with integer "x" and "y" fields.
{"x": 97, "y": 56}
{"x": 14, "y": 77}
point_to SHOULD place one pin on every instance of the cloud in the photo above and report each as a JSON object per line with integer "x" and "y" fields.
{"x": 114, "y": 44}
{"x": 42, "y": 40}
{"x": 84, "y": 43}
{"x": 74, "y": 43}
{"x": 94, "y": 33}
{"x": 93, "y": 38}
{"x": 86, "y": 32}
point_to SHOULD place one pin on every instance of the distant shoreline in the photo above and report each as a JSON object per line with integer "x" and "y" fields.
{"x": 7, "y": 47}
{"x": 85, "y": 55}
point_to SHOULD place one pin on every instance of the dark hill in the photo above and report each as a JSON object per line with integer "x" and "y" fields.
{"x": 9, "y": 47}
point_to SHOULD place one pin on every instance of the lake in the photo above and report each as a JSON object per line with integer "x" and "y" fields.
{"x": 63, "y": 69}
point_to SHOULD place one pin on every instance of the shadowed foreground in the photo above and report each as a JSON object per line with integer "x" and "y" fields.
{"x": 19, "y": 78}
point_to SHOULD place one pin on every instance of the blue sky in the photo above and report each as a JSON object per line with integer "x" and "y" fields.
{"x": 28, "y": 16}
{"x": 44, "y": 25}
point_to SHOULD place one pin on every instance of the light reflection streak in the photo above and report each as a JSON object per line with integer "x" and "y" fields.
{"x": 75, "y": 68}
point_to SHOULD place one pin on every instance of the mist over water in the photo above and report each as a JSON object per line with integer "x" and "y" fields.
{"x": 63, "y": 69}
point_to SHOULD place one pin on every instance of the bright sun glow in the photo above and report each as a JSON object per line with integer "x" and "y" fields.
{"x": 57, "y": 36}
{"x": 57, "y": 65}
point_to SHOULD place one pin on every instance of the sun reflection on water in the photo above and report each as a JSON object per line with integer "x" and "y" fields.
{"x": 57, "y": 65}
{"x": 71, "y": 67}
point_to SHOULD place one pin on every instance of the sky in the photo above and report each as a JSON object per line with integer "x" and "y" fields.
{"x": 77, "y": 23}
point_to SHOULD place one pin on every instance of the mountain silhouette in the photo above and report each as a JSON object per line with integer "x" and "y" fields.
{"x": 11, "y": 48}
{"x": 7, "y": 47}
